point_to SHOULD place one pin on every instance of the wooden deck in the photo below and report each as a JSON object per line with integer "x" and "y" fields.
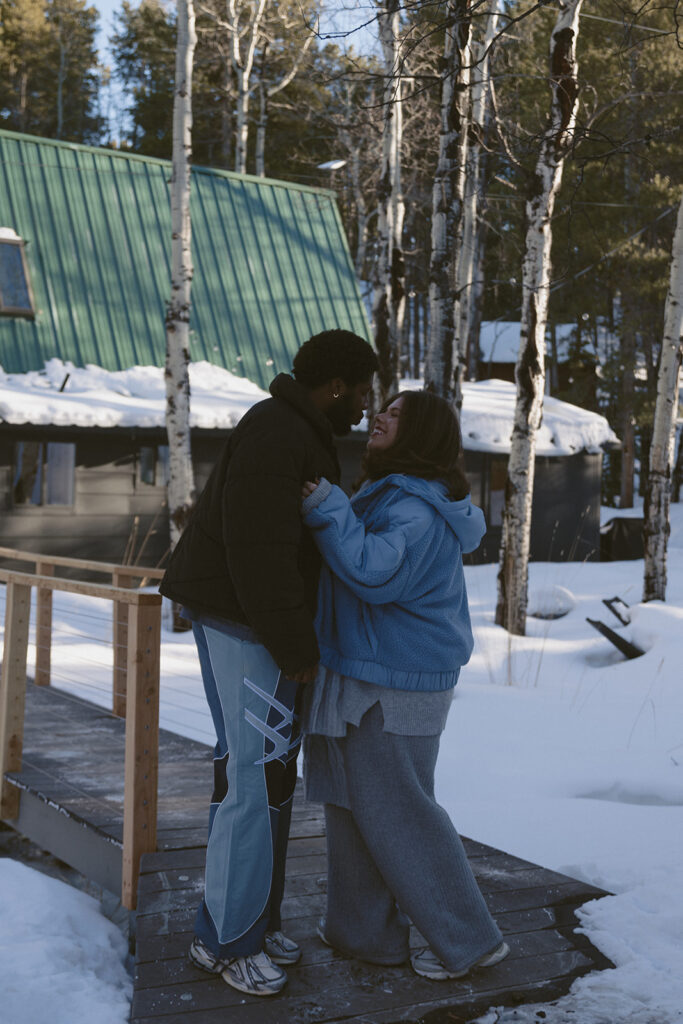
{"x": 72, "y": 797}
{"x": 72, "y": 784}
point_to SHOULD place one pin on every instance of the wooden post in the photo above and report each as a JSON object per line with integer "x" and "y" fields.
{"x": 120, "y": 644}
{"x": 142, "y": 741}
{"x": 43, "y": 626}
{"x": 13, "y": 692}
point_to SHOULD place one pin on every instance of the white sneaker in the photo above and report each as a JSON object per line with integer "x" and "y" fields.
{"x": 280, "y": 949}
{"x": 426, "y": 963}
{"x": 256, "y": 975}
{"x": 499, "y": 953}
{"x": 320, "y": 929}
{"x": 202, "y": 957}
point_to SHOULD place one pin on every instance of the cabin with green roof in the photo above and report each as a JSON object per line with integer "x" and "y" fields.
{"x": 271, "y": 263}
{"x": 85, "y": 248}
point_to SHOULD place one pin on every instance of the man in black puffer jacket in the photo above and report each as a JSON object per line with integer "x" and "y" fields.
{"x": 246, "y": 572}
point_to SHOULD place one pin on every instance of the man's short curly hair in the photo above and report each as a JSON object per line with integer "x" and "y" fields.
{"x": 331, "y": 354}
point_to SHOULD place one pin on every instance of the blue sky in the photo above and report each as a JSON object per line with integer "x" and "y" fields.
{"x": 106, "y": 9}
{"x": 344, "y": 15}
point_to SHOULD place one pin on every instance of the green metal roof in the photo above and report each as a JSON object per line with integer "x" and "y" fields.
{"x": 271, "y": 261}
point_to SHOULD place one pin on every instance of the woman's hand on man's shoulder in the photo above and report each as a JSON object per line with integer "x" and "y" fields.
{"x": 308, "y": 488}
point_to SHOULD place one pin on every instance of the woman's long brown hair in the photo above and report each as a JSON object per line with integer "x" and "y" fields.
{"x": 428, "y": 444}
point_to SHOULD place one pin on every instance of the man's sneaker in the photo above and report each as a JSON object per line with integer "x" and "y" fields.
{"x": 426, "y": 963}
{"x": 280, "y": 949}
{"x": 256, "y": 975}
{"x": 202, "y": 957}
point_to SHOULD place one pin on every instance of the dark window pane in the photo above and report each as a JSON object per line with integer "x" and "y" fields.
{"x": 28, "y": 473}
{"x": 162, "y": 455}
{"x": 14, "y": 290}
{"x": 498, "y": 478}
{"x": 148, "y": 460}
{"x": 474, "y": 478}
{"x": 59, "y": 474}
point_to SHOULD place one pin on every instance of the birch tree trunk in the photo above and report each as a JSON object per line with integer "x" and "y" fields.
{"x": 242, "y": 121}
{"x": 261, "y": 125}
{"x": 658, "y": 495}
{"x": 444, "y": 364}
{"x": 352, "y": 144}
{"x": 181, "y": 479}
{"x": 530, "y": 368}
{"x": 266, "y": 92}
{"x": 244, "y": 41}
{"x": 61, "y": 77}
{"x": 626, "y": 425}
{"x": 469, "y": 263}
{"x": 388, "y": 285}
{"x": 361, "y": 212}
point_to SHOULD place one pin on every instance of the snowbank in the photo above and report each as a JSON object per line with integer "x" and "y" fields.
{"x": 562, "y": 752}
{"x": 60, "y": 960}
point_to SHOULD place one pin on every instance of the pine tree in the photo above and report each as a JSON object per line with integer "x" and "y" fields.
{"x": 49, "y": 75}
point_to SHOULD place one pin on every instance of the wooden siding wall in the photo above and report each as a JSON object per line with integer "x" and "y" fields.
{"x": 109, "y": 496}
{"x": 565, "y": 515}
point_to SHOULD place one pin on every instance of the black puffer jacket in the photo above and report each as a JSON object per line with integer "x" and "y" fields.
{"x": 245, "y": 555}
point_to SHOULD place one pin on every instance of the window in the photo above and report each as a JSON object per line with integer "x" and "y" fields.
{"x": 44, "y": 473}
{"x": 148, "y": 465}
{"x": 15, "y": 290}
{"x": 497, "y": 478}
{"x": 153, "y": 465}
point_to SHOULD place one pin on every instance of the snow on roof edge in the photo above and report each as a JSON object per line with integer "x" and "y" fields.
{"x": 94, "y": 397}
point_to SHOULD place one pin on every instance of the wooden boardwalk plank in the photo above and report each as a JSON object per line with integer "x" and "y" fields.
{"x": 81, "y": 771}
{"x": 535, "y": 909}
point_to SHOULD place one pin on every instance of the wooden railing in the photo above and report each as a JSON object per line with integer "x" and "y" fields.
{"x": 139, "y": 635}
{"x": 120, "y": 576}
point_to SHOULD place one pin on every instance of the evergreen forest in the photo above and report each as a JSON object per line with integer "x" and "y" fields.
{"x": 275, "y": 95}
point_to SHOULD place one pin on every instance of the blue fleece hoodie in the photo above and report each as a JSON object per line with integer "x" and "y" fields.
{"x": 392, "y": 606}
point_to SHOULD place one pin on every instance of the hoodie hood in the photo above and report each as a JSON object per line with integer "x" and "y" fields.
{"x": 465, "y": 519}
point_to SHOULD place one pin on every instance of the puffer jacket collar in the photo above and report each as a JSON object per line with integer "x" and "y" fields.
{"x": 286, "y": 388}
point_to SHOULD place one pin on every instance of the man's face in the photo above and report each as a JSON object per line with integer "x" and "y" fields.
{"x": 348, "y": 409}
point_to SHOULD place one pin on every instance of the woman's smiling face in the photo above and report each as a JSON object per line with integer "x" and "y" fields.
{"x": 385, "y": 428}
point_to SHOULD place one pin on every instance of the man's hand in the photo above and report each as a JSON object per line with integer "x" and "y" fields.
{"x": 306, "y": 675}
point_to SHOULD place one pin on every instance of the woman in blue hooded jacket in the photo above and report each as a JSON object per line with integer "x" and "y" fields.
{"x": 394, "y": 630}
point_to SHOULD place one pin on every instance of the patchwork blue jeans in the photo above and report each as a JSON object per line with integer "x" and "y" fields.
{"x": 253, "y": 709}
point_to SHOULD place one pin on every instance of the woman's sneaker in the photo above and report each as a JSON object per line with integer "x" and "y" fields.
{"x": 280, "y": 949}
{"x": 257, "y": 974}
{"x": 320, "y": 929}
{"x": 426, "y": 963}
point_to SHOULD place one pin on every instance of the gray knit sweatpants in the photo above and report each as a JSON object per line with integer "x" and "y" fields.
{"x": 393, "y": 851}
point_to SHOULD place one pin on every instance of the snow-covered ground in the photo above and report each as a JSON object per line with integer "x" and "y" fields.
{"x": 557, "y": 750}
{"x": 60, "y": 960}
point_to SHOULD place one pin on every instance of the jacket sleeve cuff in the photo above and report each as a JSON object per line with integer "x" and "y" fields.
{"x": 321, "y": 492}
